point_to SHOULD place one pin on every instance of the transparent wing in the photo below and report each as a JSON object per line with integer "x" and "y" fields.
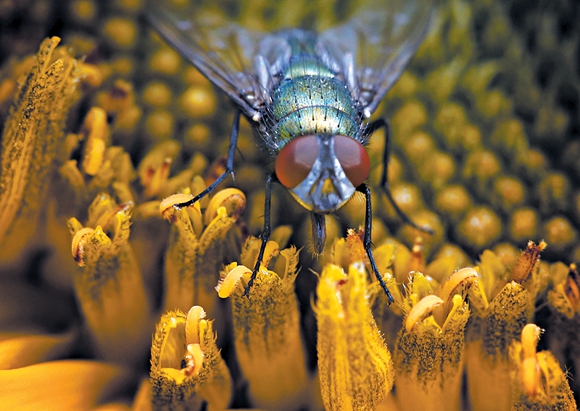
{"x": 220, "y": 49}
{"x": 376, "y": 44}
{"x": 240, "y": 48}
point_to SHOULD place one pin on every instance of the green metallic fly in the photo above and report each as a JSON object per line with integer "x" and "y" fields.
{"x": 309, "y": 95}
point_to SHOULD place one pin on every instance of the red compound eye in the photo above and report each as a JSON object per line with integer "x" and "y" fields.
{"x": 353, "y": 158}
{"x": 295, "y": 160}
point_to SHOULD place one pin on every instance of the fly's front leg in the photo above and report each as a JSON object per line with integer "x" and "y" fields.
{"x": 265, "y": 235}
{"x": 367, "y": 239}
{"x": 229, "y": 165}
{"x": 374, "y": 126}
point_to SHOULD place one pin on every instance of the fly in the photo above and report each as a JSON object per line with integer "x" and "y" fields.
{"x": 309, "y": 96}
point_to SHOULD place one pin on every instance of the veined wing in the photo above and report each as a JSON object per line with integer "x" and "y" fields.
{"x": 221, "y": 50}
{"x": 236, "y": 44}
{"x": 376, "y": 44}
{"x": 369, "y": 51}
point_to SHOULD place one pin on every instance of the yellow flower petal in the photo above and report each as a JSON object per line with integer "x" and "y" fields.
{"x": 73, "y": 385}
{"x": 109, "y": 284}
{"x": 31, "y": 136}
{"x": 195, "y": 254}
{"x": 488, "y": 379}
{"x": 429, "y": 357}
{"x": 355, "y": 366}
{"x": 113, "y": 407}
{"x": 490, "y": 333}
{"x": 429, "y": 348}
{"x": 20, "y": 350}
{"x": 267, "y": 329}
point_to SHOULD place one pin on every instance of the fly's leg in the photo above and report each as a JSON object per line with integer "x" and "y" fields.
{"x": 229, "y": 165}
{"x": 265, "y": 235}
{"x": 367, "y": 239}
{"x": 374, "y": 126}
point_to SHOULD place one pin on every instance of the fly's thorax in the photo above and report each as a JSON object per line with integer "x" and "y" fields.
{"x": 310, "y": 100}
{"x": 301, "y": 65}
{"x": 322, "y": 171}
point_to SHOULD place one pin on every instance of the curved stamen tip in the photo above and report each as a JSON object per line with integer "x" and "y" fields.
{"x": 530, "y": 336}
{"x": 192, "y": 324}
{"x": 422, "y": 310}
{"x": 77, "y": 247}
{"x": 173, "y": 202}
{"x": 228, "y": 284}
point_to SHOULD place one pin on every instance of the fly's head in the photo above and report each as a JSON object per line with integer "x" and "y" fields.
{"x": 322, "y": 171}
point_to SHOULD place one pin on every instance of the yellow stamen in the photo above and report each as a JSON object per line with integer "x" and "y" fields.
{"x": 464, "y": 277}
{"x": 232, "y": 199}
{"x": 229, "y": 283}
{"x": 421, "y": 310}
{"x": 97, "y": 140}
{"x": 167, "y": 206}
{"x": 417, "y": 262}
{"x": 77, "y": 247}
{"x": 530, "y": 371}
{"x": 530, "y": 337}
{"x": 192, "y": 324}
{"x": 527, "y": 262}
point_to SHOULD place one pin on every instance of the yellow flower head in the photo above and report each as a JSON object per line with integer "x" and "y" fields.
{"x": 483, "y": 150}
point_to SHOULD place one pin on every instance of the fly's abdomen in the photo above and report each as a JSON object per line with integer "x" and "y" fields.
{"x": 311, "y": 101}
